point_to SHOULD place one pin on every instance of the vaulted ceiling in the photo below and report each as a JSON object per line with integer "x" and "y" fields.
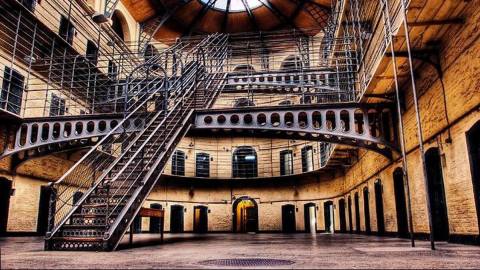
{"x": 190, "y": 17}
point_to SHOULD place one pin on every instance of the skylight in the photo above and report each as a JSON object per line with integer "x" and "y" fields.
{"x": 235, "y": 5}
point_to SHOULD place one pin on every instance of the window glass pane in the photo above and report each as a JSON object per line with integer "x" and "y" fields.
{"x": 12, "y": 91}
{"x": 178, "y": 163}
{"x": 244, "y": 163}
{"x": 307, "y": 159}
{"x": 202, "y": 165}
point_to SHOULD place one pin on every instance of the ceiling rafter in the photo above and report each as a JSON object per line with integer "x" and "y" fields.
{"x": 225, "y": 17}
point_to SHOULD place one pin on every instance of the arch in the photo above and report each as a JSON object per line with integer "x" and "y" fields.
{"x": 400, "y": 203}
{"x": 200, "y": 219}
{"x": 244, "y": 68}
{"x": 436, "y": 194}
{"x": 379, "y": 207}
{"x": 341, "y": 210}
{"x": 5, "y": 192}
{"x": 244, "y": 162}
{"x": 310, "y": 217}
{"x": 178, "y": 163}
{"x": 120, "y": 25}
{"x": 155, "y": 222}
{"x": 366, "y": 209}
{"x": 245, "y": 215}
{"x": 291, "y": 63}
{"x": 288, "y": 218}
{"x": 473, "y": 145}
{"x": 176, "y": 218}
{"x": 329, "y": 217}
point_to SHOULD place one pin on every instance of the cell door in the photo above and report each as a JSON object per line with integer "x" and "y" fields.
{"x": 288, "y": 218}
{"x": 200, "y": 219}
{"x": 5, "y": 189}
{"x": 176, "y": 219}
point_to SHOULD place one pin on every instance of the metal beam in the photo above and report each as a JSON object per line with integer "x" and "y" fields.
{"x": 193, "y": 24}
{"x": 225, "y": 17}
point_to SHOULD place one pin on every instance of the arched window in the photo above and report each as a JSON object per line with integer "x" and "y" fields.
{"x": 244, "y": 69}
{"x": 202, "y": 165}
{"x": 307, "y": 158}
{"x": 244, "y": 163}
{"x": 286, "y": 162}
{"x": 119, "y": 25}
{"x": 243, "y": 102}
{"x": 178, "y": 163}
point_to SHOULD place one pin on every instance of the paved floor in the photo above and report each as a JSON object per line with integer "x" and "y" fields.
{"x": 197, "y": 251}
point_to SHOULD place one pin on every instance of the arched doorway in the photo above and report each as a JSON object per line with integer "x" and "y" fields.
{"x": 155, "y": 225}
{"x": 5, "y": 190}
{"x": 350, "y": 222}
{"x": 400, "y": 203}
{"x": 341, "y": 209}
{"x": 329, "y": 217}
{"x": 310, "y": 217}
{"x": 473, "y": 143}
{"x": 288, "y": 218}
{"x": 357, "y": 213}
{"x": 200, "y": 219}
{"x": 176, "y": 219}
{"x": 366, "y": 209}
{"x": 245, "y": 215}
{"x": 379, "y": 207}
{"x": 436, "y": 190}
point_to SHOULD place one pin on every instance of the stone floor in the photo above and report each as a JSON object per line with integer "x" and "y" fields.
{"x": 197, "y": 251}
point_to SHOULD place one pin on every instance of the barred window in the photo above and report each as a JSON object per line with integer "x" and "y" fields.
{"x": 244, "y": 162}
{"x": 286, "y": 162}
{"x": 57, "y": 106}
{"x": 202, "y": 165}
{"x": 12, "y": 90}
{"x": 178, "y": 163}
{"x": 307, "y": 159}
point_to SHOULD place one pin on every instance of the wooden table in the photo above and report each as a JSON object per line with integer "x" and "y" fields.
{"x": 150, "y": 212}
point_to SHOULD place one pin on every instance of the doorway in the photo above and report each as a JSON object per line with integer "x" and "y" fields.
{"x": 176, "y": 219}
{"x": 200, "y": 219}
{"x": 288, "y": 218}
{"x": 310, "y": 217}
{"x": 366, "y": 210}
{"x": 350, "y": 222}
{"x": 357, "y": 213}
{"x": 400, "y": 203}
{"x": 155, "y": 225}
{"x": 379, "y": 207}
{"x": 245, "y": 215}
{"x": 5, "y": 191}
{"x": 341, "y": 210}
{"x": 473, "y": 143}
{"x": 329, "y": 217}
{"x": 43, "y": 209}
{"x": 436, "y": 190}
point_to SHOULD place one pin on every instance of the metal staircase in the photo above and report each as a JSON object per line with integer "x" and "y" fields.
{"x": 95, "y": 201}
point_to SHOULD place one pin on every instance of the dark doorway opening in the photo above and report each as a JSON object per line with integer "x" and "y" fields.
{"x": 176, "y": 219}
{"x": 288, "y": 218}
{"x": 43, "y": 206}
{"x": 350, "y": 222}
{"x": 155, "y": 222}
{"x": 400, "y": 203}
{"x": 436, "y": 190}
{"x": 245, "y": 215}
{"x": 379, "y": 207}
{"x": 329, "y": 217}
{"x": 137, "y": 224}
{"x": 473, "y": 143}
{"x": 341, "y": 209}
{"x": 357, "y": 213}
{"x": 5, "y": 191}
{"x": 310, "y": 217}
{"x": 200, "y": 219}
{"x": 366, "y": 209}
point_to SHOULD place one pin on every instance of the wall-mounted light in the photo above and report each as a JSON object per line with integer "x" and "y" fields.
{"x": 209, "y": 211}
